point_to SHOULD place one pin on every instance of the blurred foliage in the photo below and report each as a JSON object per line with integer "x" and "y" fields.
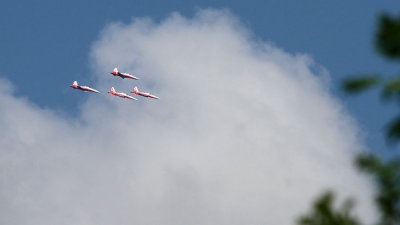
{"x": 361, "y": 83}
{"x": 391, "y": 89}
{"x": 388, "y": 36}
{"x": 393, "y": 130}
{"x": 387, "y": 42}
{"x": 323, "y": 212}
{"x": 386, "y": 174}
{"x": 387, "y": 179}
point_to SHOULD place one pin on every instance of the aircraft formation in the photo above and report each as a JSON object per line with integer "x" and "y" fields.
{"x": 112, "y": 90}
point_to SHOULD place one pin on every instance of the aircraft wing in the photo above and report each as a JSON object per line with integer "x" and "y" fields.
{"x": 153, "y": 96}
{"x": 129, "y": 76}
{"x": 85, "y": 88}
{"x": 130, "y": 97}
{"x": 150, "y": 95}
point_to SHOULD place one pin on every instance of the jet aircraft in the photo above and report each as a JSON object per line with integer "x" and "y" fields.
{"x": 122, "y": 95}
{"x": 123, "y": 75}
{"x": 144, "y": 94}
{"x": 83, "y": 88}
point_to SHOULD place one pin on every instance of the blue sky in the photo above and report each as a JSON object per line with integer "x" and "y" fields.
{"x": 45, "y": 44}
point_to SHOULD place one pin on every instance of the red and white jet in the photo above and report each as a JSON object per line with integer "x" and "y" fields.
{"x": 144, "y": 94}
{"x": 122, "y": 95}
{"x": 83, "y": 88}
{"x": 123, "y": 75}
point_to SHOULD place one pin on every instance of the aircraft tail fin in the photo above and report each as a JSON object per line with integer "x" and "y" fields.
{"x": 135, "y": 90}
{"x": 115, "y": 70}
{"x": 75, "y": 84}
{"x": 112, "y": 90}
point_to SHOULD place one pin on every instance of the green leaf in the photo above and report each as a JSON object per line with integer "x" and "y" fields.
{"x": 357, "y": 84}
{"x": 323, "y": 212}
{"x": 369, "y": 163}
{"x": 386, "y": 176}
{"x": 391, "y": 89}
{"x": 393, "y": 130}
{"x": 388, "y": 36}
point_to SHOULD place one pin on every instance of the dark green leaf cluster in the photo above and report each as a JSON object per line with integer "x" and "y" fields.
{"x": 393, "y": 130}
{"x": 388, "y": 36}
{"x": 323, "y": 213}
{"x": 391, "y": 89}
{"x": 361, "y": 83}
{"x": 386, "y": 176}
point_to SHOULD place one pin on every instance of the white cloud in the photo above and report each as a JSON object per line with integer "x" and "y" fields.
{"x": 244, "y": 133}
